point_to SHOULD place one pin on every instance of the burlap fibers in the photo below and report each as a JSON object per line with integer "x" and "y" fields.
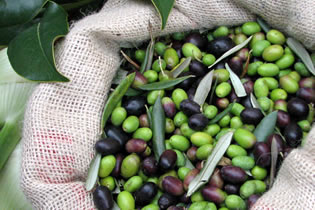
{"x": 62, "y": 121}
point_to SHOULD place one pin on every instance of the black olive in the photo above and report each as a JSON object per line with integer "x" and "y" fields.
{"x": 135, "y": 105}
{"x": 146, "y": 193}
{"x": 298, "y": 108}
{"x": 198, "y": 122}
{"x": 197, "y": 39}
{"x": 231, "y": 189}
{"x": 236, "y": 64}
{"x": 149, "y": 166}
{"x": 107, "y": 146}
{"x": 191, "y": 93}
{"x": 167, "y": 160}
{"x": 283, "y": 119}
{"x": 197, "y": 68}
{"x": 116, "y": 133}
{"x": 116, "y": 171}
{"x": 245, "y": 101}
{"x": 262, "y": 154}
{"x": 102, "y": 198}
{"x": 307, "y": 94}
{"x": 233, "y": 174}
{"x": 166, "y": 200}
{"x": 251, "y": 116}
{"x": 189, "y": 107}
{"x": 293, "y": 134}
{"x": 220, "y": 45}
{"x": 186, "y": 84}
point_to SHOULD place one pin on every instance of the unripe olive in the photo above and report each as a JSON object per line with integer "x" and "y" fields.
{"x": 130, "y": 165}
{"x": 171, "y": 58}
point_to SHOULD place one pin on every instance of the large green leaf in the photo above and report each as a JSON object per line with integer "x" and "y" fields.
{"x": 31, "y": 53}
{"x": 164, "y": 8}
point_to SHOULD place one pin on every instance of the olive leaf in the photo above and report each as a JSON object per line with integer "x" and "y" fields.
{"x": 164, "y": 8}
{"x": 147, "y": 62}
{"x": 222, "y": 114}
{"x": 266, "y": 127}
{"x": 263, "y": 24}
{"x": 181, "y": 67}
{"x": 203, "y": 88}
{"x": 93, "y": 172}
{"x": 35, "y": 60}
{"x": 232, "y": 51}
{"x": 204, "y": 175}
{"x": 120, "y": 76}
{"x": 274, "y": 157}
{"x": 158, "y": 127}
{"x": 236, "y": 82}
{"x": 188, "y": 164}
{"x": 302, "y": 53}
{"x": 164, "y": 84}
{"x": 255, "y": 103}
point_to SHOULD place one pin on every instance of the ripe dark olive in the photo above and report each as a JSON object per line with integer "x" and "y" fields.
{"x": 249, "y": 86}
{"x": 116, "y": 171}
{"x": 233, "y": 174}
{"x": 102, "y": 198}
{"x": 283, "y": 119}
{"x": 116, "y": 133}
{"x": 222, "y": 103}
{"x": 189, "y": 107}
{"x": 233, "y": 97}
{"x": 198, "y": 68}
{"x": 136, "y": 145}
{"x": 199, "y": 165}
{"x": 252, "y": 200}
{"x": 246, "y": 102}
{"x": 220, "y": 65}
{"x": 220, "y": 45}
{"x": 236, "y": 64}
{"x": 231, "y": 189}
{"x": 216, "y": 179}
{"x": 251, "y": 116}
{"x": 184, "y": 198}
{"x": 262, "y": 154}
{"x": 149, "y": 166}
{"x": 198, "y": 122}
{"x": 197, "y": 39}
{"x": 166, "y": 200}
{"x": 167, "y": 160}
{"x": 307, "y": 94}
{"x": 176, "y": 208}
{"x": 213, "y": 194}
{"x": 191, "y": 153}
{"x": 191, "y": 93}
{"x": 135, "y": 105}
{"x": 146, "y": 193}
{"x": 173, "y": 186}
{"x": 144, "y": 121}
{"x": 187, "y": 83}
{"x": 279, "y": 142}
{"x": 293, "y": 134}
{"x": 107, "y": 146}
{"x": 298, "y": 108}
{"x": 189, "y": 177}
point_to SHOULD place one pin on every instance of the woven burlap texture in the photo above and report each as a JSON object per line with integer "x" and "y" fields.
{"x": 62, "y": 120}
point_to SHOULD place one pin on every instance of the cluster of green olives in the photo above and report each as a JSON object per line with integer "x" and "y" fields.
{"x": 132, "y": 176}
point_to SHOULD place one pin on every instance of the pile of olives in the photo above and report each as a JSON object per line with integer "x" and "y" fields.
{"x": 131, "y": 176}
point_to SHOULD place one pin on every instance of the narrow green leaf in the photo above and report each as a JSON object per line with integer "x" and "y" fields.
{"x": 133, "y": 92}
{"x": 188, "y": 163}
{"x": 164, "y": 84}
{"x": 232, "y": 51}
{"x": 203, "y": 88}
{"x": 115, "y": 97}
{"x": 181, "y": 67}
{"x": 164, "y": 8}
{"x": 35, "y": 60}
{"x": 302, "y": 53}
{"x": 222, "y": 114}
{"x": 274, "y": 157}
{"x": 93, "y": 172}
{"x": 213, "y": 89}
{"x": 236, "y": 82}
{"x": 158, "y": 127}
{"x": 120, "y": 76}
{"x": 203, "y": 177}
{"x": 149, "y": 114}
{"x": 148, "y": 56}
{"x": 263, "y": 24}
{"x": 266, "y": 127}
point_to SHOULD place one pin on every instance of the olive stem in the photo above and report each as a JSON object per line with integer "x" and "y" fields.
{"x": 130, "y": 60}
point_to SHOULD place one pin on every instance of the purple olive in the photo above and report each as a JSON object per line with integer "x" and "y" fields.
{"x": 213, "y": 194}
{"x": 222, "y": 103}
{"x": 283, "y": 119}
{"x": 308, "y": 82}
{"x": 144, "y": 121}
{"x": 146, "y": 193}
{"x": 216, "y": 179}
{"x": 252, "y": 200}
{"x": 236, "y": 64}
{"x": 198, "y": 122}
{"x": 220, "y": 45}
{"x": 173, "y": 186}
{"x": 249, "y": 86}
{"x": 279, "y": 142}
{"x": 139, "y": 80}
{"x": 199, "y": 165}
{"x": 298, "y": 108}
{"x": 231, "y": 188}
{"x": 243, "y": 54}
{"x": 166, "y": 200}
{"x": 198, "y": 68}
{"x": 189, "y": 177}
{"x": 176, "y": 208}
{"x": 184, "y": 198}
{"x": 135, "y": 105}
{"x": 102, "y": 198}
{"x": 169, "y": 107}
{"x": 189, "y": 107}
{"x": 136, "y": 145}
{"x": 233, "y": 97}
{"x": 191, "y": 153}
{"x": 307, "y": 94}
{"x": 281, "y": 105}
{"x": 233, "y": 174}
{"x": 107, "y": 146}
{"x": 149, "y": 166}
{"x": 251, "y": 116}
{"x": 293, "y": 134}
{"x": 197, "y": 39}
{"x": 262, "y": 154}
{"x": 116, "y": 171}
{"x": 167, "y": 160}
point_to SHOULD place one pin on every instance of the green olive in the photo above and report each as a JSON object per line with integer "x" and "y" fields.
{"x": 197, "y": 197}
{"x": 158, "y": 65}
{"x": 235, "y": 151}
{"x": 239, "y": 38}
{"x": 179, "y": 142}
{"x": 272, "y": 53}
{"x": 237, "y": 109}
{"x": 178, "y": 95}
{"x": 178, "y": 36}
{"x": 107, "y": 165}
{"x": 235, "y": 202}
{"x": 191, "y": 50}
{"x": 151, "y": 206}
{"x": 180, "y": 118}
{"x": 278, "y": 94}
{"x": 285, "y": 61}
{"x": 159, "y": 48}
{"x": 130, "y": 165}
{"x": 259, "y": 173}
{"x": 130, "y": 124}
{"x": 236, "y": 122}
{"x": 208, "y": 59}
{"x": 250, "y": 28}
{"x": 268, "y": 70}
{"x": 126, "y": 201}
{"x": 259, "y": 47}
{"x": 301, "y": 69}
{"x": 151, "y": 75}
{"x": 247, "y": 189}
{"x": 210, "y": 111}
{"x": 271, "y": 82}
{"x": 169, "y": 125}
{"x": 244, "y": 162}
{"x": 153, "y": 95}
{"x": 108, "y": 182}
{"x": 118, "y": 116}
{"x": 252, "y": 68}
{"x": 244, "y": 138}
{"x": 223, "y": 89}
{"x": 182, "y": 172}
{"x": 225, "y": 121}
{"x": 139, "y": 55}
{"x": 275, "y": 37}
{"x": 305, "y": 125}
{"x": 181, "y": 160}
{"x": 294, "y": 75}
{"x": 288, "y": 84}
{"x": 171, "y": 58}
{"x": 186, "y": 130}
{"x": 221, "y": 31}
{"x": 204, "y": 151}
{"x": 143, "y": 133}
{"x": 284, "y": 72}
{"x": 212, "y": 130}
{"x": 261, "y": 88}
{"x": 257, "y": 37}
{"x": 264, "y": 103}
{"x": 222, "y": 75}
{"x": 133, "y": 183}
{"x": 201, "y": 138}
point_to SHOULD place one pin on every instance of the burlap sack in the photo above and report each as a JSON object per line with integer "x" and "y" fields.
{"x": 62, "y": 121}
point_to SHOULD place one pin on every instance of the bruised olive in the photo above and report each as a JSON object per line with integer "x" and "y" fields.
{"x": 216, "y": 179}
{"x": 236, "y": 64}
{"x": 198, "y": 122}
{"x": 307, "y": 94}
{"x": 167, "y": 160}
{"x": 146, "y": 193}
{"x": 213, "y": 194}
{"x": 196, "y": 39}
{"x": 233, "y": 174}
{"x": 283, "y": 119}
{"x": 220, "y": 45}
{"x": 136, "y": 145}
{"x": 187, "y": 83}
{"x": 166, "y": 200}
{"x": 139, "y": 80}
{"x": 262, "y": 154}
{"x": 135, "y": 105}
{"x": 107, "y": 146}
{"x": 116, "y": 133}
{"x": 231, "y": 188}
{"x": 191, "y": 153}
{"x": 279, "y": 141}
{"x": 246, "y": 102}
{"x": 144, "y": 121}
{"x": 173, "y": 185}
{"x": 252, "y": 200}
{"x": 189, "y": 107}
{"x": 169, "y": 107}
{"x": 190, "y": 176}
{"x": 298, "y": 108}
{"x": 248, "y": 86}
{"x": 293, "y": 134}
{"x": 102, "y": 198}
{"x": 116, "y": 171}
{"x": 251, "y": 116}
{"x": 198, "y": 68}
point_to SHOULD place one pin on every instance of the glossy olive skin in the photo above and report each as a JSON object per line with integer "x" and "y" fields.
{"x": 307, "y": 94}
{"x": 198, "y": 68}
{"x": 220, "y": 45}
{"x": 213, "y": 194}
{"x": 149, "y": 166}
{"x": 298, "y": 108}
{"x": 231, "y": 189}
{"x": 283, "y": 119}
{"x": 186, "y": 84}
{"x": 135, "y": 145}
{"x": 116, "y": 133}
{"x": 262, "y": 154}
{"x": 189, "y": 107}
{"x": 167, "y": 160}
{"x": 135, "y": 105}
{"x": 198, "y": 122}
{"x": 246, "y": 102}
{"x": 293, "y": 134}
{"x": 166, "y": 200}
{"x": 116, "y": 171}
{"x": 146, "y": 193}
{"x": 102, "y": 198}
{"x": 173, "y": 185}
{"x": 197, "y": 39}
{"x": 233, "y": 174}
{"x": 236, "y": 64}
{"x": 251, "y": 116}
{"x": 107, "y": 146}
